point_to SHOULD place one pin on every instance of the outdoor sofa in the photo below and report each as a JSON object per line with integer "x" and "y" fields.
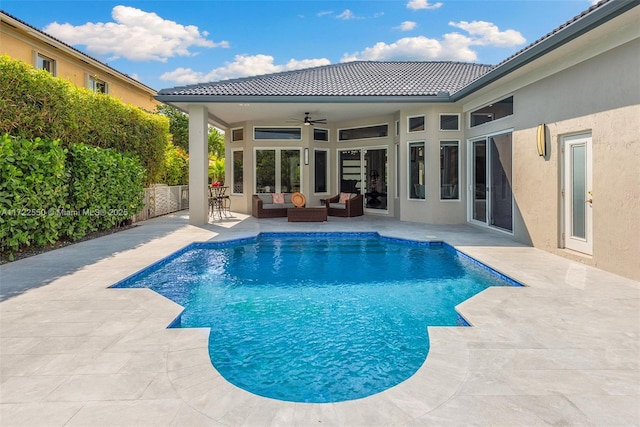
{"x": 263, "y": 206}
{"x": 345, "y": 205}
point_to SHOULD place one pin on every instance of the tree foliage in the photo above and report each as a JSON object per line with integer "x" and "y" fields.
{"x": 35, "y": 104}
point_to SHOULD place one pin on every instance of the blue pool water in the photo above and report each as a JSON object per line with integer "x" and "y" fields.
{"x": 317, "y": 317}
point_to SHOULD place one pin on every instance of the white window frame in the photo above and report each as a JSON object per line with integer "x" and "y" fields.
{"x": 448, "y": 114}
{"x": 424, "y": 124}
{"x": 36, "y": 59}
{"x": 327, "y": 171}
{"x": 233, "y": 134}
{"x": 322, "y": 129}
{"x": 491, "y": 114}
{"x": 459, "y": 145}
{"x": 424, "y": 175}
{"x": 362, "y": 127}
{"x": 233, "y": 163}
{"x": 276, "y": 139}
{"x": 92, "y": 81}
{"x": 278, "y": 166}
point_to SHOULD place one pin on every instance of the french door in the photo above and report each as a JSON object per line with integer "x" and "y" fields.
{"x": 490, "y": 193}
{"x": 365, "y": 171}
{"x": 577, "y": 195}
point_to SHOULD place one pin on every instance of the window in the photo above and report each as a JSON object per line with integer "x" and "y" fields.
{"x": 415, "y": 124}
{"x": 277, "y": 133}
{"x": 237, "y": 134}
{"x": 397, "y": 127}
{"x": 98, "y": 85}
{"x": 449, "y": 121}
{"x": 238, "y": 167}
{"x": 320, "y": 134}
{"x": 277, "y": 170}
{"x": 449, "y": 170}
{"x": 321, "y": 171}
{"x": 495, "y": 111}
{"x": 416, "y": 171}
{"x": 45, "y": 63}
{"x": 377, "y": 131}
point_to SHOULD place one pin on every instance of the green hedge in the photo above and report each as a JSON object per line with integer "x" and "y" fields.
{"x": 35, "y": 104}
{"x": 33, "y": 186}
{"x": 48, "y": 192}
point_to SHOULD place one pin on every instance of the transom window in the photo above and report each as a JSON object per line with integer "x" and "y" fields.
{"x": 495, "y": 111}
{"x": 449, "y": 121}
{"x": 270, "y": 133}
{"x": 320, "y": 134}
{"x": 237, "y": 134}
{"x": 416, "y": 124}
{"x": 376, "y": 131}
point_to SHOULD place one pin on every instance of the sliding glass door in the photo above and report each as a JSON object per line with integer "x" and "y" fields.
{"x": 491, "y": 196}
{"x": 365, "y": 171}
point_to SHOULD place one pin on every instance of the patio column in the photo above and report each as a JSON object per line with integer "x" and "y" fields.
{"x": 198, "y": 165}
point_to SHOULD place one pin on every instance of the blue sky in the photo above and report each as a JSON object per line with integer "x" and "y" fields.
{"x": 166, "y": 43}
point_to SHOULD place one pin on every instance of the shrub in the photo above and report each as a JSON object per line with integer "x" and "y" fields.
{"x": 48, "y": 192}
{"x": 33, "y": 190}
{"x": 106, "y": 188}
{"x": 33, "y": 104}
{"x": 176, "y": 166}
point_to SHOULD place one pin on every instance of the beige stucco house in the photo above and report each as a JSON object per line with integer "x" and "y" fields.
{"x": 543, "y": 147}
{"x": 28, "y": 44}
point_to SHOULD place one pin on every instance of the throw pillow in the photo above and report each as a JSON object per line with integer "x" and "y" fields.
{"x": 278, "y": 198}
{"x": 344, "y": 197}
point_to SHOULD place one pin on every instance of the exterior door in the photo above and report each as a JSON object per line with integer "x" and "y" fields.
{"x": 491, "y": 193}
{"x": 376, "y": 177}
{"x": 577, "y": 194}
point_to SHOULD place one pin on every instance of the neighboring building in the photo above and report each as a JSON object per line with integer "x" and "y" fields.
{"x": 452, "y": 143}
{"x": 26, "y": 43}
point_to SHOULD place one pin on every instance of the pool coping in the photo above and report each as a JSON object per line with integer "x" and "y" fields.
{"x": 539, "y": 354}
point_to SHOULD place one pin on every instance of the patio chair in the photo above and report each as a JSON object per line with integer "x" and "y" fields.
{"x": 352, "y": 205}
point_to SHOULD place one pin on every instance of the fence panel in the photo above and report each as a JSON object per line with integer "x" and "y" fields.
{"x": 163, "y": 199}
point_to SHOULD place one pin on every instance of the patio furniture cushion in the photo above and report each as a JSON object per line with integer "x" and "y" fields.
{"x": 278, "y": 198}
{"x": 266, "y": 198}
{"x": 344, "y": 197}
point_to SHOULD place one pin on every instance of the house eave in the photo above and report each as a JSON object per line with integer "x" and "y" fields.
{"x": 440, "y": 97}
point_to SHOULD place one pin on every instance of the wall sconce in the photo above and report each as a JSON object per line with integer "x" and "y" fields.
{"x": 306, "y": 156}
{"x": 542, "y": 140}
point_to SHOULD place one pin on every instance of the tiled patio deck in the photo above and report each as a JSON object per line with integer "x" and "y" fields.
{"x": 563, "y": 351}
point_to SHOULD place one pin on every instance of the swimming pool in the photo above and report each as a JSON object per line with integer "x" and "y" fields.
{"x": 317, "y": 317}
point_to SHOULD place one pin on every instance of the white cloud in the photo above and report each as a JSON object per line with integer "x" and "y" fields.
{"x": 242, "y": 66}
{"x": 451, "y": 47}
{"x": 135, "y": 35}
{"x": 422, "y": 4}
{"x": 488, "y": 34}
{"x": 407, "y": 26}
{"x": 346, "y": 15}
{"x": 325, "y": 12}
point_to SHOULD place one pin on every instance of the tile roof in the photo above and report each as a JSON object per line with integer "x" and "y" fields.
{"x": 359, "y": 78}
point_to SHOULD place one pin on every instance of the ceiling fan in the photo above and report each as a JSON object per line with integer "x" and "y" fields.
{"x": 308, "y": 121}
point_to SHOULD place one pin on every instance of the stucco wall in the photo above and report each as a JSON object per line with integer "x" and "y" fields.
{"x": 21, "y": 46}
{"x": 432, "y": 210}
{"x": 599, "y": 96}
